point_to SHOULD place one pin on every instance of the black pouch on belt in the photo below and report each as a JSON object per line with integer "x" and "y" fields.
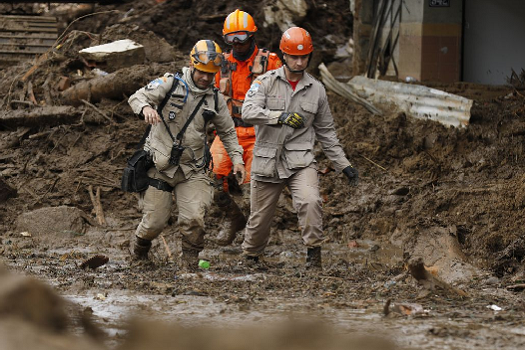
{"x": 135, "y": 177}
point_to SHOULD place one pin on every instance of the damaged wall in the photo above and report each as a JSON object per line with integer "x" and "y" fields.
{"x": 414, "y": 39}
{"x": 430, "y": 41}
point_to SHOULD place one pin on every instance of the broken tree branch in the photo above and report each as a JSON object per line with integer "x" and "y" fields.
{"x": 97, "y": 110}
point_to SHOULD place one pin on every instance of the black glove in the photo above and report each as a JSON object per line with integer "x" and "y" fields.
{"x": 352, "y": 174}
{"x": 292, "y": 119}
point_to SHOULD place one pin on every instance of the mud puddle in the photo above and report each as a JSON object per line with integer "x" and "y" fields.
{"x": 431, "y": 329}
{"x": 353, "y": 304}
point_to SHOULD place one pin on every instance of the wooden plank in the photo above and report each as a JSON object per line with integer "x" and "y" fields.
{"x": 36, "y": 36}
{"x": 24, "y": 37}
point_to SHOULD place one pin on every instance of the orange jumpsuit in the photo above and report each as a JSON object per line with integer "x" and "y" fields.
{"x": 234, "y": 81}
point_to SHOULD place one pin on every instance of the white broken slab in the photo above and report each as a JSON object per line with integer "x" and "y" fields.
{"x": 115, "y": 55}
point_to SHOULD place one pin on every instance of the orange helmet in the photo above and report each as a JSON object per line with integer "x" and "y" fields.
{"x": 296, "y": 41}
{"x": 238, "y": 27}
{"x": 206, "y": 56}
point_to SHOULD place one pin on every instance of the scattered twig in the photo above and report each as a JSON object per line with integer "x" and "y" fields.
{"x": 37, "y": 64}
{"x": 371, "y": 161}
{"x": 25, "y": 188}
{"x": 30, "y": 93}
{"x": 48, "y": 190}
{"x": 11, "y": 87}
{"x": 40, "y": 135}
{"x": 517, "y": 287}
{"x": 166, "y": 246}
{"x": 386, "y": 307}
{"x": 121, "y": 228}
{"x": 13, "y": 103}
{"x": 518, "y": 93}
{"x": 95, "y": 199}
{"x": 47, "y": 93}
{"x": 97, "y": 110}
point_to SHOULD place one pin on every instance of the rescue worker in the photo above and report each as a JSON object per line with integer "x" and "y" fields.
{"x": 194, "y": 98}
{"x": 241, "y": 66}
{"x": 290, "y": 111}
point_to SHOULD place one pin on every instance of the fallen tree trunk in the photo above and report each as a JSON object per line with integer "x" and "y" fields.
{"x": 121, "y": 83}
{"x": 39, "y": 116}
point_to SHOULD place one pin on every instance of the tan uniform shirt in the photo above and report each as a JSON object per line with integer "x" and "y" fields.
{"x": 180, "y": 106}
{"x": 280, "y": 151}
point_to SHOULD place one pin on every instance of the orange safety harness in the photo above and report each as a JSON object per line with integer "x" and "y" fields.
{"x": 260, "y": 65}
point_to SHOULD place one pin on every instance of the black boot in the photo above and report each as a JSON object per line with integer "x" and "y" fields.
{"x": 313, "y": 258}
{"x": 141, "y": 248}
{"x": 252, "y": 259}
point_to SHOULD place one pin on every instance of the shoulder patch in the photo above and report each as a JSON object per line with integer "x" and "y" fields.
{"x": 152, "y": 85}
{"x": 253, "y": 88}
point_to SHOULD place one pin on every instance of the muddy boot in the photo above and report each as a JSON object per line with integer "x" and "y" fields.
{"x": 189, "y": 260}
{"x": 313, "y": 258}
{"x": 252, "y": 262}
{"x": 141, "y": 248}
{"x": 235, "y": 221}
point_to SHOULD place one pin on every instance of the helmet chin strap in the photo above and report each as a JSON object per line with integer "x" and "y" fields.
{"x": 297, "y": 71}
{"x": 192, "y": 75}
{"x": 294, "y": 71}
{"x": 192, "y": 72}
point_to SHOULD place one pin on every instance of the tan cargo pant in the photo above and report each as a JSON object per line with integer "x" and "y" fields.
{"x": 193, "y": 197}
{"x": 307, "y": 201}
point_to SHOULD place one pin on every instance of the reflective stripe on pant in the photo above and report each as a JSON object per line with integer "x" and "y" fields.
{"x": 222, "y": 164}
{"x": 193, "y": 197}
{"x": 304, "y": 186}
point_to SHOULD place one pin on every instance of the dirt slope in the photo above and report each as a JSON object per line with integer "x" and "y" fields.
{"x": 468, "y": 178}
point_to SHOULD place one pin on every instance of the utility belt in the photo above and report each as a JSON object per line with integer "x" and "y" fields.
{"x": 160, "y": 185}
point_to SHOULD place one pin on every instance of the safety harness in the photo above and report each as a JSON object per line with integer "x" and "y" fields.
{"x": 260, "y": 65}
{"x": 177, "y": 140}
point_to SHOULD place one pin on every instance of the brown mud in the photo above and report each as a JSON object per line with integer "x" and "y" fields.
{"x": 454, "y": 197}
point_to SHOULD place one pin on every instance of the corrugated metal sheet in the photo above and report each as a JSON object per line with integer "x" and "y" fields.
{"x": 344, "y": 89}
{"x": 415, "y": 100}
{"x": 24, "y": 37}
{"x": 418, "y": 101}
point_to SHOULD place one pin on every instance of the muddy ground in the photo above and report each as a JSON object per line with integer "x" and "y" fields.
{"x": 454, "y": 197}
